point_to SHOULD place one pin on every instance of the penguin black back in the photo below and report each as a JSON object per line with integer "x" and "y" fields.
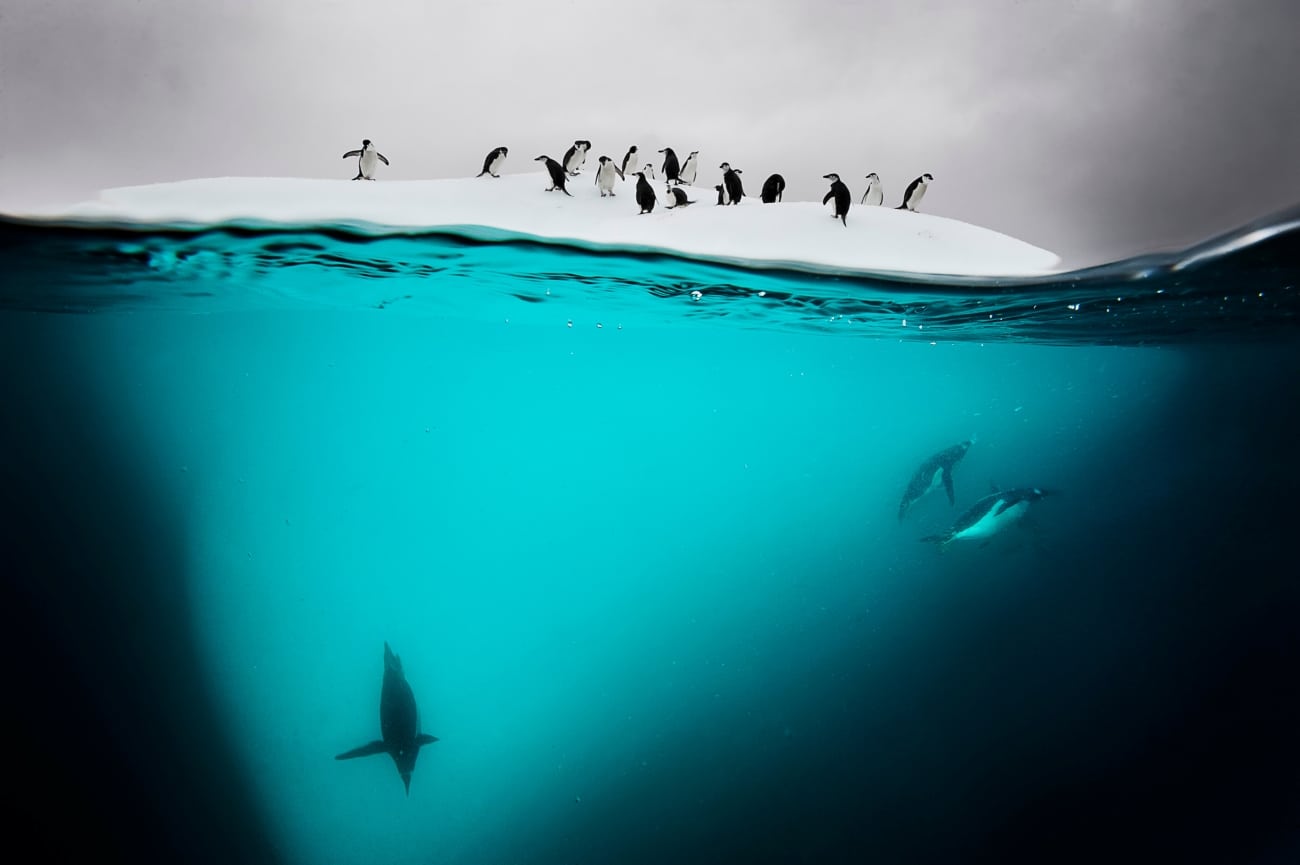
{"x": 772, "y": 189}
{"x": 672, "y": 169}
{"x": 841, "y": 195}
{"x": 645, "y": 193}
{"x": 556, "y": 172}
{"x": 731, "y": 180}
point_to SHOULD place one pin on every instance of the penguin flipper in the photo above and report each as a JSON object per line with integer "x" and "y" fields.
{"x": 425, "y": 739}
{"x": 947, "y": 486}
{"x": 351, "y": 153}
{"x": 367, "y": 750}
{"x": 828, "y": 197}
{"x": 382, "y": 158}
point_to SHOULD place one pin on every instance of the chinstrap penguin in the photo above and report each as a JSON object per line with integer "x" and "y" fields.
{"x": 689, "y": 167}
{"x": 840, "y": 193}
{"x": 672, "y": 169}
{"x": 989, "y": 516}
{"x": 931, "y": 474}
{"x": 399, "y": 723}
{"x": 678, "y": 196}
{"x": 915, "y": 192}
{"x": 875, "y": 194}
{"x": 557, "y": 175}
{"x": 576, "y": 156}
{"x": 731, "y": 180}
{"x": 645, "y": 194}
{"x": 368, "y": 160}
{"x": 492, "y": 162}
{"x": 605, "y": 174}
{"x": 630, "y": 161}
{"x": 773, "y": 187}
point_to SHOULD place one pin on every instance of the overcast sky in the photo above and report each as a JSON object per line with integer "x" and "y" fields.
{"x": 1097, "y": 129}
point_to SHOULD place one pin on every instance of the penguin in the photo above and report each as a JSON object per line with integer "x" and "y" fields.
{"x": 989, "y": 516}
{"x": 648, "y": 168}
{"x": 492, "y": 162}
{"x": 556, "y": 172}
{"x": 575, "y": 156}
{"x": 840, "y": 193}
{"x": 687, "y": 173}
{"x": 772, "y": 189}
{"x": 915, "y": 192}
{"x": 679, "y": 197}
{"x": 368, "y": 161}
{"x": 672, "y": 169}
{"x": 731, "y": 180}
{"x": 605, "y": 175}
{"x": 630, "y": 161}
{"x": 645, "y": 194}
{"x": 875, "y": 194}
{"x": 930, "y": 474}
{"x": 399, "y": 723}
{"x": 722, "y": 193}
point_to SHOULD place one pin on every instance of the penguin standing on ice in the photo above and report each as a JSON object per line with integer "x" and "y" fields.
{"x": 679, "y": 198}
{"x": 875, "y": 194}
{"x": 840, "y": 193}
{"x": 492, "y": 163}
{"x": 576, "y": 155}
{"x": 630, "y": 161}
{"x": 772, "y": 189}
{"x": 648, "y": 168}
{"x": 369, "y": 159}
{"x": 722, "y": 193}
{"x": 605, "y": 175}
{"x": 556, "y": 171}
{"x": 915, "y": 192}
{"x": 689, "y": 167}
{"x": 645, "y": 194}
{"x": 672, "y": 169}
{"x": 731, "y": 182}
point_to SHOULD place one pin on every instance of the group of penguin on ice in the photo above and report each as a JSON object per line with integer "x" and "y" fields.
{"x": 399, "y": 722}
{"x": 675, "y": 173}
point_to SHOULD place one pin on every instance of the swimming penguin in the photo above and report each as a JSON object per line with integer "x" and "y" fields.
{"x": 368, "y": 161}
{"x": 931, "y": 473}
{"x": 556, "y": 172}
{"x": 772, "y": 189}
{"x": 672, "y": 170}
{"x": 605, "y": 175}
{"x": 722, "y": 193}
{"x": 875, "y": 193}
{"x": 689, "y": 167}
{"x": 399, "y": 723}
{"x": 915, "y": 192}
{"x": 645, "y": 194}
{"x": 989, "y": 516}
{"x": 631, "y": 161}
{"x": 840, "y": 193}
{"x": 679, "y": 197}
{"x": 576, "y": 155}
{"x": 731, "y": 180}
{"x": 492, "y": 163}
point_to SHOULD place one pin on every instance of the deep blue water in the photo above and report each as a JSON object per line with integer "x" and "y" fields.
{"x": 640, "y": 553}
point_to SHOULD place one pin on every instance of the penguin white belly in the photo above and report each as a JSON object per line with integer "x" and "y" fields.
{"x": 605, "y": 179}
{"x": 915, "y": 201}
{"x": 875, "y": 196}
{"x": 495, "y": 167}
{"x": 935, "y": 482}
{"x": 993, "y": 522}
{"x": 368, "y": 161}
{"x": 687, "y": 174}
{"x": 632, "y": 162}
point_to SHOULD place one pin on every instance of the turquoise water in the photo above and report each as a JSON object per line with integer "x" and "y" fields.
{"x": 639, "y": 552}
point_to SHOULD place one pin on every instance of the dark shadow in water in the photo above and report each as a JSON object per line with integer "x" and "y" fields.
{"x": 1123, "y": 689}
{"x": 113, "y": 746}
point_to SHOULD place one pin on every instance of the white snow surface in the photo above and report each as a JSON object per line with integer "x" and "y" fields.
{"x": 796, "y": 234}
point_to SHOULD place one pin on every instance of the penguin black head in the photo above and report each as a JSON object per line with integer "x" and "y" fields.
{"x": 832, "y": 177}
{"x": 873, "y": 176}
{"x": 505, "y": 151}
{"x": 725, "y": 166}
{"x": 927, "y": 177}
{"x": 365, "y": 142}
{"x": 541, "y": 159}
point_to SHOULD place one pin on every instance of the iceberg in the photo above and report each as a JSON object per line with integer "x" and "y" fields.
{"x": 797, "y": 235}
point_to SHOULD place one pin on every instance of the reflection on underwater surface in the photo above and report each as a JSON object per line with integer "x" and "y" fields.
{"x": 649, "y": 582}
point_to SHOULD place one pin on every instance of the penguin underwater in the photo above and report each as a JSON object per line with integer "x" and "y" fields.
{"x": 930, "y": 474}
{"x": 991, "y": 515}
{"x": 399, "y": 723}
{"x": 368, "y": 160}
{"x": 556, "y": 173}
{"x": 843, "y": 200}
